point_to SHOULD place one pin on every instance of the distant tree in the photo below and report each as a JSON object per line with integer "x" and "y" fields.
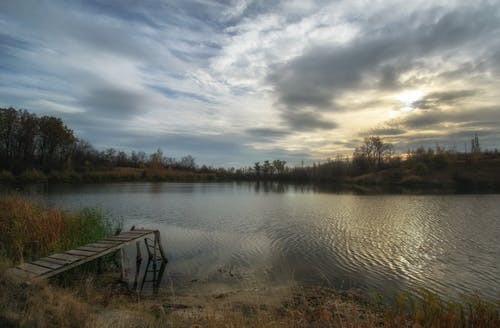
{"x": 55, "y": 142}
{"x": 266, "y": 167}
{"x": 122, "y": 159}
{"x": 475, "y": 148}
{"x": 8, "y": 123}
{"x": 156, "y": 159}
{"x": 372, "y": 152}
{"x": 279, "y": 166}
{"x": 188, "y": 162}
{"x": 257, "y": 168}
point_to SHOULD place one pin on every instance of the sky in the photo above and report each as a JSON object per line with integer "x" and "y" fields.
{"x": 232, "y": 82}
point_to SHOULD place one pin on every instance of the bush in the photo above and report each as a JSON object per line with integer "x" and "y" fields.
{"x": 33, "y": 176}
{"x": 6, "y": 176}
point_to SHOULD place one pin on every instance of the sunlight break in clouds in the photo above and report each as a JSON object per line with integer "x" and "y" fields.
{"x": 233, "y": 82}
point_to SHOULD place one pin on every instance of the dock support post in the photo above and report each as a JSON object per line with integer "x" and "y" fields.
{"x": 34, "y": 250}
{"x": 160, "y": 246}
{"x": 122, "y": 264}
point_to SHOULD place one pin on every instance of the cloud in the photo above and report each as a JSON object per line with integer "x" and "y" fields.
{"x": 437, "y": 99}
{"x": 306, "y": 121}
{"x": 112, "y": 101}
{"x": 386, "y": 131}
{"x": 376, "y": 59}
{"x": 267, "y": 132}
{"x": 436, "y": 118}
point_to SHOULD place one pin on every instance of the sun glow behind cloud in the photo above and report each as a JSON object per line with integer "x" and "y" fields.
{"x": 408, "y": 98}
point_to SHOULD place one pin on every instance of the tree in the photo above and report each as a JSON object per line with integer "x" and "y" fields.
{"x": 475, "y": 148}
{"x": 279, "y": 165}
{"x": 156, "y": 159}
{"x": 266, "y": 167}
{"x": 372, "y": 152}
{"x": 188, "y": 162}
{"x": 55, "y": 141}
{"x": 256, "y": 167}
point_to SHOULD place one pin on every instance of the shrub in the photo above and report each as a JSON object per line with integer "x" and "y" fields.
{"x": 33, "y": 176}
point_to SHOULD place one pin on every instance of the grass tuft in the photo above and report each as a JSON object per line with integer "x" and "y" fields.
{"x": 24, "y": 221}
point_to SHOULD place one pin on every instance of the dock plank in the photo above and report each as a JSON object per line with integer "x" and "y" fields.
{"x": 54, "y": 260}
{"x": 60, "y": 262}
{"x": 21, "y": 274}
{"x": 81, "y": 253}
{"x": 66, "y": 257}
{"x": 99, "y": 245}
{"x": 112, "y": 242}
{"x": 33, "y": 268}
{"x": 121, "y": 238}
{"x": 48, "y": 264}
{"x": 92, "y": 249}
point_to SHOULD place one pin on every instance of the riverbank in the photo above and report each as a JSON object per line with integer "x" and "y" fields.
{"x": 91, "y": 300}
{"x": 102, "y": 301}
{"x": 461, "y": 176}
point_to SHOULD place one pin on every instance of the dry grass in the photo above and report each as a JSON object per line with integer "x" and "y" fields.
{"x": 23, "y": 221}
{"x": 40, "y": 305}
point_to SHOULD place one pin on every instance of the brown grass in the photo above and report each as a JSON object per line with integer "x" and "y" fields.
{"x": 24, "y": 221}
{"x": 40, "y": 305}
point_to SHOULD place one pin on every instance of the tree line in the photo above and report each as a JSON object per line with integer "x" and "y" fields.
{"x": 28, "y": 141}
{"x": 45, "y": 143}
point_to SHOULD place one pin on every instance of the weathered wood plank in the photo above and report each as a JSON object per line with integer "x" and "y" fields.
{"x": 137, "y": 231}
{"x": 81, "y": 253}
{"x": 112, "y": 242}
{"x": 93, "y": 257}
{"x": 55, "y": 261}
{"x": 99, "y": 245}
{"x": 21, "y": 274}
{"x": 66, "y": 257}
{"x": 121, "y": 238}
{"x": 88, "y": 248}
{"x": 33, "y": 268}
{"x": 60, "y": 262}
{"x": 48, "y": 264}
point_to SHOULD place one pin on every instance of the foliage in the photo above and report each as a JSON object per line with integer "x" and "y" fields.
{"x": 23, "y": 221}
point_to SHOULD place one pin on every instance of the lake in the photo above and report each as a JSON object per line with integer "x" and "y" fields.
{"x": 231, "y": 235}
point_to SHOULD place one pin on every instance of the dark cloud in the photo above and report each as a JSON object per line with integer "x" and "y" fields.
{"x": 376, "y": 59}
{"x": 437, "y": 99}
{"x": 307, "y": 121}
{"x": 267, "y": 133}
{"x": 111, "y": 101}
{"x": 174, "y": 93}
{"x": 385, "y": 132}
{"x": 436, "y": 118}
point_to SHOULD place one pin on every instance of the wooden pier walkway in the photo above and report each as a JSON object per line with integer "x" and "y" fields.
{"x": 56, "y": 263}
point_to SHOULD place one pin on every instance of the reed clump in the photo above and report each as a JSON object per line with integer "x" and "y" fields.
{"x": 24, "y": 221}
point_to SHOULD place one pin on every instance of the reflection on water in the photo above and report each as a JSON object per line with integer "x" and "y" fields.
{"x": 230, "y": 234}
{"x": 147, "y": 278}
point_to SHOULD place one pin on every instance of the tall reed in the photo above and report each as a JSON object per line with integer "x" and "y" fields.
{"x": 24, "y": 221}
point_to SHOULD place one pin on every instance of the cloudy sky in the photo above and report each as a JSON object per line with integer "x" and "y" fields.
{"x": 236, "y": 81}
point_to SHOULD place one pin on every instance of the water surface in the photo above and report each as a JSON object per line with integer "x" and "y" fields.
{"x": 227, "y": 234}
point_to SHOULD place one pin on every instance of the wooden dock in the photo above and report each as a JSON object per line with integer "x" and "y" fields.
{"x": 56, "y": 263}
